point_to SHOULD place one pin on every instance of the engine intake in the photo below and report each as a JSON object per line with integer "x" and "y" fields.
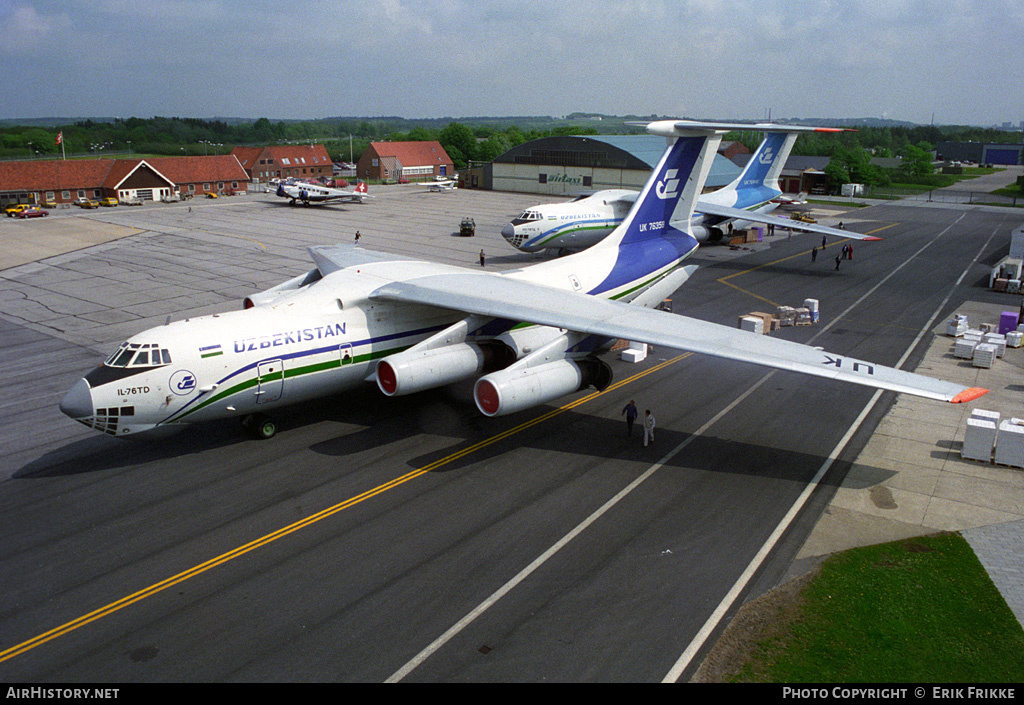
{"x": 415, "y": 370}
{"x": 509, "y": 391}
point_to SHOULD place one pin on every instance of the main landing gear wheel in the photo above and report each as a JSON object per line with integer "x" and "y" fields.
{"x": 259, "y": 426}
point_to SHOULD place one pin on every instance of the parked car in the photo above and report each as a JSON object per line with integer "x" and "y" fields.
{"x": 173, "y": 198}
{"x": 31, "y": 213}
{"x": 467, "y": 228}
{"x": 49, "y": 204}
{"x": 131, "y": 202}
{"x": 109, "y": 202}
{"x": 86, "y": 203}
{"x": 16, "y": 208}
{"x": 210, "y": 194}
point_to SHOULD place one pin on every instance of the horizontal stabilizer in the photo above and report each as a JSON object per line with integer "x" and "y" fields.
{"x": 740, "y": 214}
{"x": 331, "y": 258}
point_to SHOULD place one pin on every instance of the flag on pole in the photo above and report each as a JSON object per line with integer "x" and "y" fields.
{"x": 60, "y": 141}
{"x": 60, "y": 137}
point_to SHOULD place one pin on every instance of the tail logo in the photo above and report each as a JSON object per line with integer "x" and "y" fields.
{"x": 767, "y": 157}
{"x": 669, "y": 186}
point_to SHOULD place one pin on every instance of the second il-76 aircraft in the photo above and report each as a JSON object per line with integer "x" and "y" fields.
{"x": 750, "y": 198}
{"x": 408, "y": 325}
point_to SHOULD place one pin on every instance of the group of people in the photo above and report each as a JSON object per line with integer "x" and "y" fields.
{"x": 631, "y": 413}
{"x": 846, "y": 253}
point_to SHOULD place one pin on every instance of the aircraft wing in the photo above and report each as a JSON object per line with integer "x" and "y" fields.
{"x": 740, "y": 214}
{"x": 508, "y": 298}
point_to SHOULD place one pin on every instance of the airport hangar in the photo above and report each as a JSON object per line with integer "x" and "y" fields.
{"x": 568, "y": 165}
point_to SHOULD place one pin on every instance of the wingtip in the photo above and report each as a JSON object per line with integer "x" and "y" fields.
{"x": 968, "y": 395}
{"x": 873, "y": 239}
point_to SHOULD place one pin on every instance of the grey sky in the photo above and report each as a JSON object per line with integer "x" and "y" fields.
{"x": 960, "y": 60}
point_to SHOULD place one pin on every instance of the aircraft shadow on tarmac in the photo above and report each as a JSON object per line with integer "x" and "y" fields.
{"x": 449, "y": 413}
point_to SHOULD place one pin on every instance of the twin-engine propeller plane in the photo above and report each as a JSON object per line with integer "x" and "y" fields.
{"x": 750, "y": 198}
{"x": 316, "y": 193}
{"x": 409, "y": 325}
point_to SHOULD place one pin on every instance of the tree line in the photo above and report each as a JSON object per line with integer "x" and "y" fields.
{"x": 466, "y": 139}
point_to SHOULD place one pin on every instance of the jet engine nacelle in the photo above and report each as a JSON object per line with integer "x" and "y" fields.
{"x": 272, "y": 294}
{"x": 416, "y": 370}
{"x": 509, "y": 391}
{"x": 702, "y": 233}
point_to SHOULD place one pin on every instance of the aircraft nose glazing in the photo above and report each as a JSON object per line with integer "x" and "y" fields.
{"x": 77, "y": 403}
{"x": 508, "y": 232}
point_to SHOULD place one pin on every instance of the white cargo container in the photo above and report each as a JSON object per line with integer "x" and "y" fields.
{"x": 979, "y": 440}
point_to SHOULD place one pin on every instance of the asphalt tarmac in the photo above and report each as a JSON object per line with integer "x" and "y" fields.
{"x": 413, "y": 539}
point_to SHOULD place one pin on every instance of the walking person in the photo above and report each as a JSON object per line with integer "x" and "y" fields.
{"x": 483, "y": 261}
{"x": 630, "y": 412}
{"x": 849, "y": 251}
{"x": 648, "y": 427}
{"x": 839, "y": 259}
{"x": 814, "y": 254}
{"x": 357, "y": 237}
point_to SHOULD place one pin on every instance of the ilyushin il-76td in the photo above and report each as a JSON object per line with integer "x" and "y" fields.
{"x": 750, "y": 198}
{"x": 527, "y": 336}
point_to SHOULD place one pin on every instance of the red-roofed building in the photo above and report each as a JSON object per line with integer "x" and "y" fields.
{"x": 392, "y": 161}
{"x": 63, "y": 181}
{"x": 307, "y": 161}
{"x": 219, "y": 173}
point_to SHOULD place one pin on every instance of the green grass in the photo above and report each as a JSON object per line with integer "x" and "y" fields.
{"x": 921, "y": 610}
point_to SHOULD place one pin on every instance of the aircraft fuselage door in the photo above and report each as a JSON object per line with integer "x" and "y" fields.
{"x": 269, "y": 381}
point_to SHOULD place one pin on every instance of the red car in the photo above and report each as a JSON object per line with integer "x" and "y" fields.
{"x": 32, "y": 213}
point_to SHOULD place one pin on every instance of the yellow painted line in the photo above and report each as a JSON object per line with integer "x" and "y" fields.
{"x": 725, "y": 279}
{"x": 310, "y": 520}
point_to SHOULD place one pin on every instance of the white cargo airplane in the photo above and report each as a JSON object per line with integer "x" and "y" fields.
{"x": 410, "y": 325}
{"x": 750, "y": 198}
{"x": 316, "y": 193}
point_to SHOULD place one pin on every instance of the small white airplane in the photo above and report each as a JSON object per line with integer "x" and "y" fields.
{"x": 445, "y": 185}
{"x": 317, "y": 193}
{"x": 408, "y": 325}
{"x": 750, "y": 198}
{"x": 787, "y": 200}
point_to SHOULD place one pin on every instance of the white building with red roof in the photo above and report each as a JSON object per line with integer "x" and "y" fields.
{"x": 66, "y": 181}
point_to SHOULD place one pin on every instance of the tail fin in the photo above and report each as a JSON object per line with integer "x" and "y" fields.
{"x": 765, "y": 165}
{"x": 361, "y": 187}
{"x": 671, "y": 192}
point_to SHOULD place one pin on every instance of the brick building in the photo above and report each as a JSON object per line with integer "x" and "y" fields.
{"x": 394, "y": 161}
{"x": 66, "y": 181}
{"x": 307, "y": 161}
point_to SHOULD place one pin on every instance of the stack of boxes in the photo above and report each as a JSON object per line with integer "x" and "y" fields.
{"x": 634, "y": 352}
{"x": 812, "y": 306}
{"x": 1010, "y": 446}
{"x": 980, "y": 436}
{"x": 957, "y": 326}
{"x": 984, "y": 355}
{"x": 754, "y": 324}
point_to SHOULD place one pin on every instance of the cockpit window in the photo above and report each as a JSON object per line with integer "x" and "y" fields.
{"x": 530, "y": 215}
{"x": 139, "y": 355}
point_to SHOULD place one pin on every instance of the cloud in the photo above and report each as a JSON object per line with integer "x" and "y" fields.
{"x": 700, "y": 58}
{"x": 23, "y": 29}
